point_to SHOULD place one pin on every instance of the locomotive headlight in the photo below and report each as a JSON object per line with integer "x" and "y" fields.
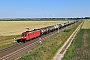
{"x": 25, "y": 37}
{"x": 21, "y": 37}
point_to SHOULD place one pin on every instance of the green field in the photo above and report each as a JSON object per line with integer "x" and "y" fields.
{"x": 6, "y": 41}
{"x": 47, "y": 50}
{"x": 80, "y": 47}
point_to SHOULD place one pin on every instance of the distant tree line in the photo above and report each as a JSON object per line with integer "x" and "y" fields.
{"x": 42, "y": 19}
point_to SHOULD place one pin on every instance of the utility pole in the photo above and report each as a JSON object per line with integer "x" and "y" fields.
{"x": 43, "y": 23}
{"x": 47, "y": 16}
{"x": 58, "y": 27}
{"x": 53, "y": 16}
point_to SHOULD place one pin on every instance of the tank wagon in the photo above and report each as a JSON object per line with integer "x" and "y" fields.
{"x": 44, "y": 30}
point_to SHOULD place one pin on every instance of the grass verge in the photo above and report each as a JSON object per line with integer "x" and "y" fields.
{"x": 6, "y": 41}
{"x": 80, "y": 47}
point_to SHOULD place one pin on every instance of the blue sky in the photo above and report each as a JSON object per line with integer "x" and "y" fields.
{"x": 44, "y": 8}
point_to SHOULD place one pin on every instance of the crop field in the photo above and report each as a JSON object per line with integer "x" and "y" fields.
{"x": 86, "y": 24}
{"x": 17, "y": 27}
{"x": 80, "y": 47}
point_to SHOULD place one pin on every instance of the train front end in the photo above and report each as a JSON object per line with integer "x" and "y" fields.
{"x": 24, "y": 36}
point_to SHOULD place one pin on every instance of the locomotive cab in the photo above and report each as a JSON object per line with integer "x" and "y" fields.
{"x": 24, "y": 36}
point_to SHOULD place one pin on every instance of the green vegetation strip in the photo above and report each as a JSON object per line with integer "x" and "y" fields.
{"x": 80, "y": 47}
{"x": 6, "y": 41}
{"x": 65, "y": 47}
{"x": 47, "y": 50}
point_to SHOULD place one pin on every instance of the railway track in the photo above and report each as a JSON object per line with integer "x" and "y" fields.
{"x": 18, "y": 49}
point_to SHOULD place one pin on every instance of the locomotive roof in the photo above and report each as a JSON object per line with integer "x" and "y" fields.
{"x": 31, "y": 31}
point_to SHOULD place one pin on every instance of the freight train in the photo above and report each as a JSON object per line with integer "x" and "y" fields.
{"x": 28, "y": 35}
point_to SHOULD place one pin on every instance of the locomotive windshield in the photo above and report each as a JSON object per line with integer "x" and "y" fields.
{"x": 24, "y": 34}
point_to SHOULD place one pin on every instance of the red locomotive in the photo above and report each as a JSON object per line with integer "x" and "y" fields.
{"x": 30, "y": 34}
